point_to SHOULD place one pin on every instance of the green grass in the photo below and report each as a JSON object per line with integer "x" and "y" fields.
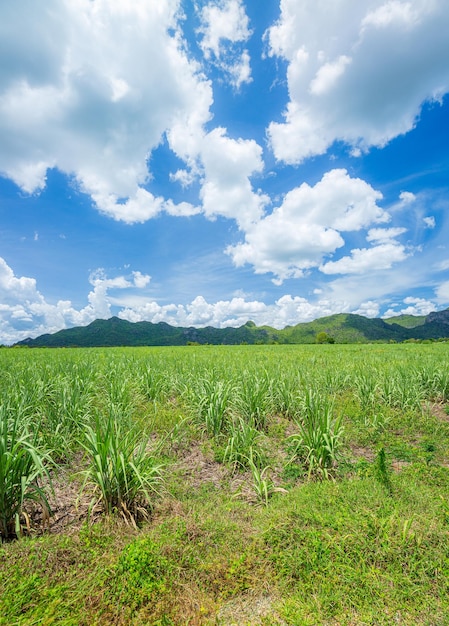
{"x": 235, "y": 428}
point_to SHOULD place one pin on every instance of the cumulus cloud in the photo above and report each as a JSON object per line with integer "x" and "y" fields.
{"x": 227, "y": 190}
{"x": 414, "y": 306}
{"x": 79, "y": 102}
{"x": 406, "y": 198}
{"x": 24, "y": 311}
{"x": 141, "y": 280}
{"x": 368, "y": 309}
{"x": 381, "y": 256}
{"x": 240, "y": 70}
{"x": 224, "y": 21}
{"x": 384, "y": 235}
{"x": 90, "y": 88}
{"x": 287, "y": 310}
{"x": 366, "y": 260}
{"x": 225, "y": 25}
{"x": 348, "y": 76}
{"x": 298, "y": 234}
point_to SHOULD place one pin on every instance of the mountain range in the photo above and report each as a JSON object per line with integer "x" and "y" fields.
{"x": 340, "y": 328}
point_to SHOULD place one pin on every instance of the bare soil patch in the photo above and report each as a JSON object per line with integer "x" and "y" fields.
{"x": 250, "y": 610}
{"x": 439, "y": 411}
{"x": 199, "y": 468}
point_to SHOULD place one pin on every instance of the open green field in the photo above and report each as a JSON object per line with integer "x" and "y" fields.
{"x": 225, "y": 485}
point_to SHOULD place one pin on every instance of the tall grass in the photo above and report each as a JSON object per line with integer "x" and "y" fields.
{"x": 23, "y": 463}
{"x": 213, "y": 397}
{"x": 318, "y": 441}
{"x": 253, "y": 398}
{"x": 244, "y": 445}
{"x": 123, "y": 474}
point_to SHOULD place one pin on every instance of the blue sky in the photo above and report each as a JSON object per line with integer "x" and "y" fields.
{"x": 207, "y": 162}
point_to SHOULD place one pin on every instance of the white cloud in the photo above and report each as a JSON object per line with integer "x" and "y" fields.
{"x": 141, "y": 280}
{"x": 226, "y": 189}
{"x": 415, "y": 306}
{"x": 367, "y": 260}
{"x": 429, "y": 221}
{"x": 225, "y": 25}
{"x": 368, "y": 309}
{"x": 73, "y": 99}
{"x": 287, "y": 310}
{"x": 384, "y": 235}
{"x": 406, "y": 197}
{"x": 348, "y": 76}
{"x": 328, "y": 75}
{"x": 25, "y": 312}
{"x": 97, "y": 110}
{"x": 389, "y": 13}
{"x": 141, "y": 207}
{"x": 442, "y": 293}
{"x": 13, "y": 288}
{"x": 306, "y": 227}
{"x": 223, "y": 21}
{"x": 240, "y": 70}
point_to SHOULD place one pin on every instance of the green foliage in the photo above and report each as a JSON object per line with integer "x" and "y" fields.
{"x": 244, "y": 445}
{"x": 381, "y": 470}
{"x": 318, "y": 441}
{"x": 213, "y": 398}
{"x": 323, "y": 337}
{"x": 22, "y": 464}
{"x": 122, "y": 472}
{"x": 347, "y": 554}
{"x": 407, "y": 321}
{"x": 253, "y": 399}
{"x": 142, "y": 574}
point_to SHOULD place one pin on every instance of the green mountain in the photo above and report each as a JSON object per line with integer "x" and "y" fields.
{"x": 342, "y": 328}
{"x": 407, "y": 321}
{"x": 118, "y": 332}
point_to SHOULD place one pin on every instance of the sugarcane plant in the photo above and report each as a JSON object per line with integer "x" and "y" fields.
{"x": 23, "y": 466}
{"x": 122, "y": 473}
{"x": 317, "y": 443}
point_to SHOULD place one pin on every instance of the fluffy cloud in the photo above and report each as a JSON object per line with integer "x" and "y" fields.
{"x": 414, "y": 306}
{"x": 368, "y": 309}
{"x": 222, "y": 22}
{"x": 235, "y": 312}
{"x": 348, "y": 76}
{"x": 366, "y": 260}
{"x": 306, "y": 227}
{"x": 78, "y": 92}
{"x": 226, "y": 189}
{"x": 384, "y": 235}
{"x": 223, "y": 25}
{"x": 13, "y": 289}
{"x": 24, "y": 311}
{"x": 96, "y": 110}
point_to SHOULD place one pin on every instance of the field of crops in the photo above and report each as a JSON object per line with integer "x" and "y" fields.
{"x": 225, "y": 485}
